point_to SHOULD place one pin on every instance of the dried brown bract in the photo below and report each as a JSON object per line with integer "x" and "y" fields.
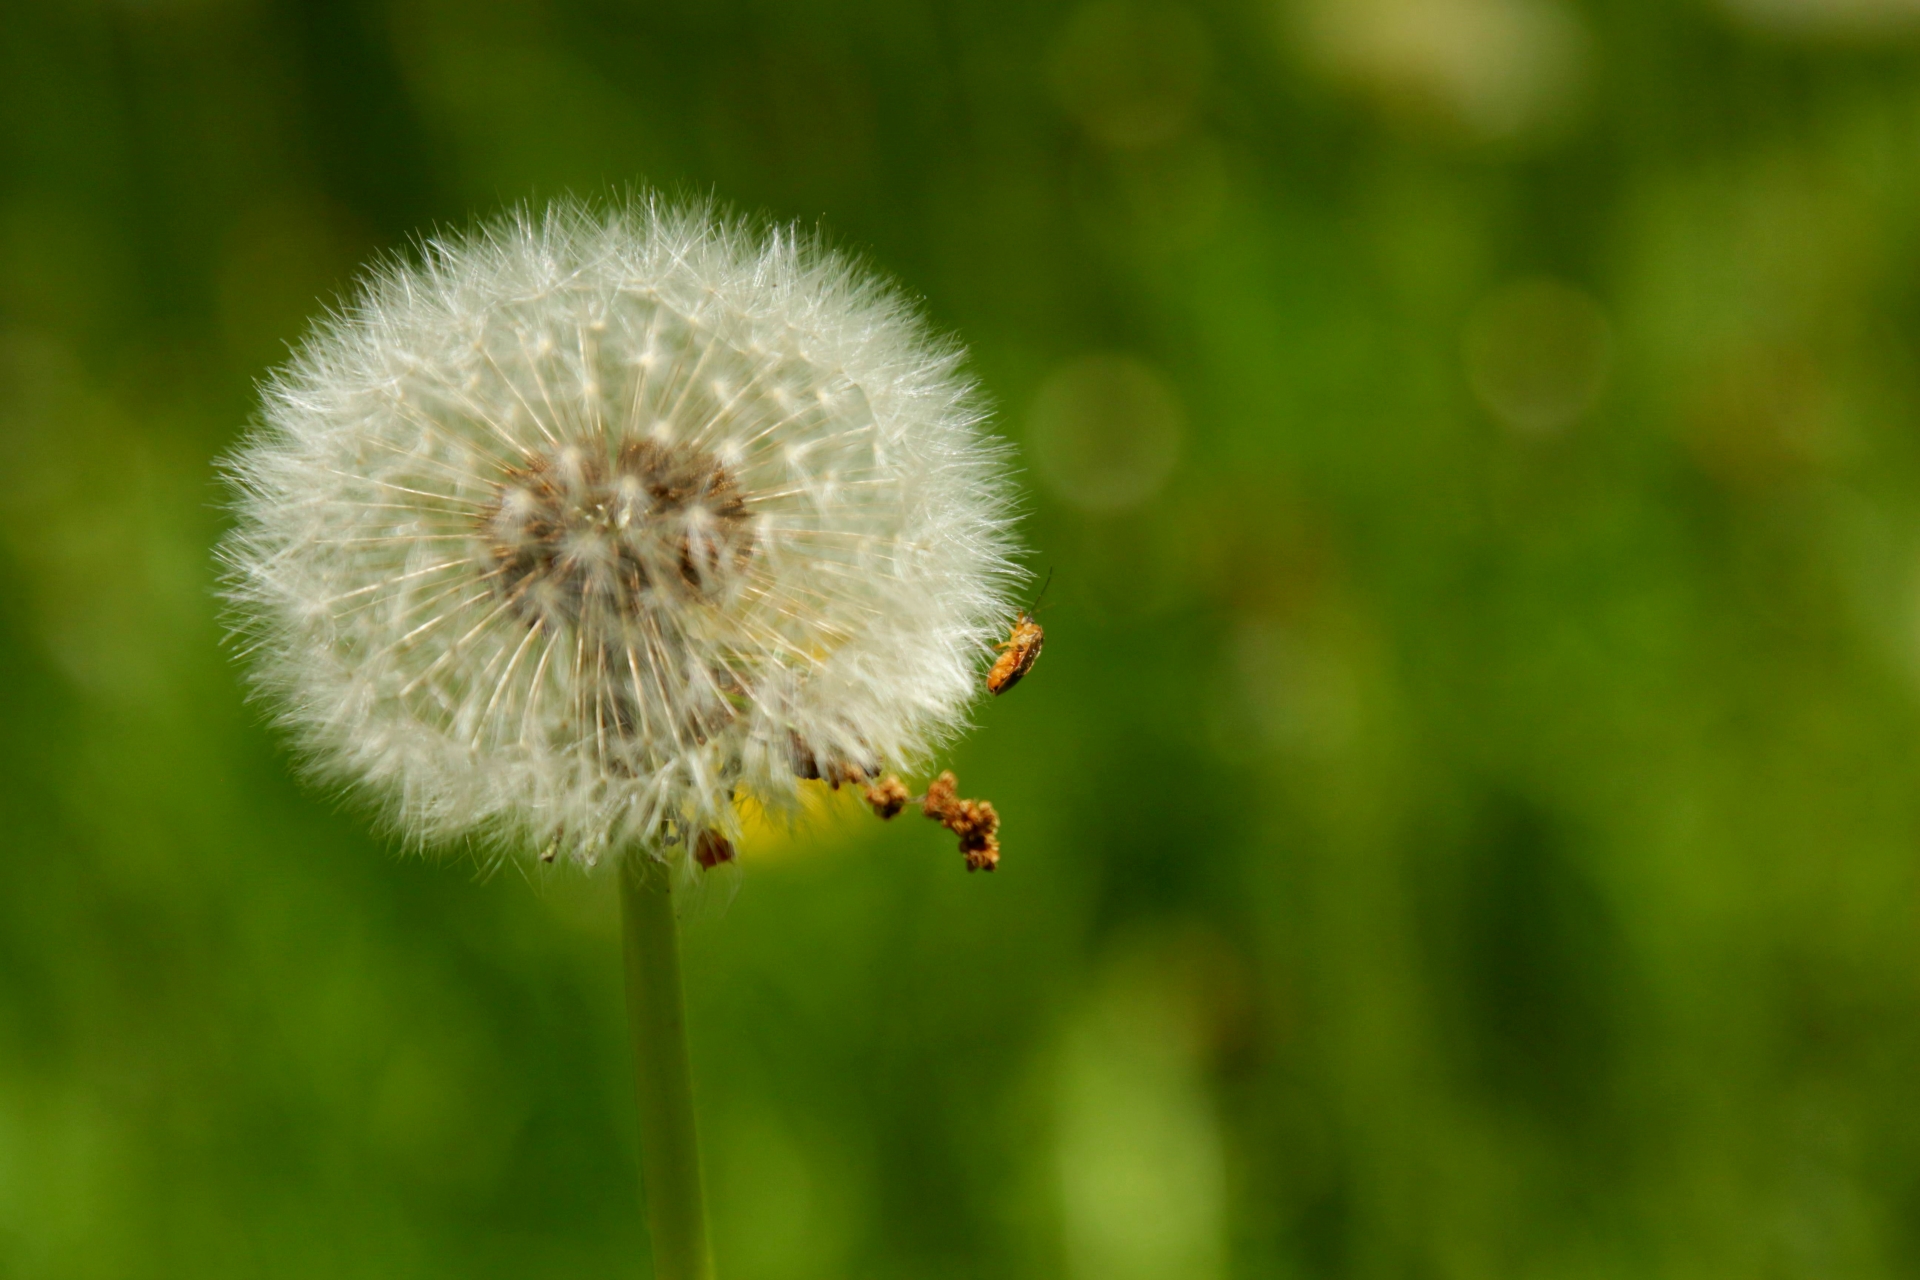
{"x": 978, "y": 826}
{"x": 839, "y": 771}
{"x": 831, "y": 769}
{"x": 974, "y": 821}
{"x": 712, "y": 849}
{"x": 942, "y": 792}
{"x": 982, "y": 854}
{"x": 888, "y": 797}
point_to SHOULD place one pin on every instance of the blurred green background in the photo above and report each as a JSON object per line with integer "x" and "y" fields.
{"x": 1465, "y": 822}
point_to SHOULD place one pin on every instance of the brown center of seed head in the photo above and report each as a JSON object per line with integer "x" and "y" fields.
{"x": 584, "y": 531}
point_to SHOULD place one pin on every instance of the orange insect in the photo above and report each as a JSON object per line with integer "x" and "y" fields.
{"x": 1021, "y": 650}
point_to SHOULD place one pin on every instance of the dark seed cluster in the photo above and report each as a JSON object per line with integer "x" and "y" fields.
{"x": 581, "y": 533}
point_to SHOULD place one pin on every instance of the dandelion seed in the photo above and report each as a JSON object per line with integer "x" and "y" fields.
{"x": 584, "y": 524}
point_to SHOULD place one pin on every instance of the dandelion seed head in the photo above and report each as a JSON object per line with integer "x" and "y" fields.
{"x": 575, "y": 531}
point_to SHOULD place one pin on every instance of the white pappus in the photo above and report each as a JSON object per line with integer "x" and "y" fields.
{"x": 588, "y": 525}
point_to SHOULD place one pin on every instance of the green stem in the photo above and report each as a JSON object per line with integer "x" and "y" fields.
{"x": 662, "y": 1075}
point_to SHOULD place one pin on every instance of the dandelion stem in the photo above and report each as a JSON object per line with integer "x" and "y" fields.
{"x": 662, "y": 1074}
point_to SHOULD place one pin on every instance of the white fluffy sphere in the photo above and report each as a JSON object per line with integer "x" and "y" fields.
{"x": 587, "y": 526}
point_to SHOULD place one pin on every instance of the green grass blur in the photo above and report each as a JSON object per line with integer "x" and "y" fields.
{"x": 1465, "y": 822}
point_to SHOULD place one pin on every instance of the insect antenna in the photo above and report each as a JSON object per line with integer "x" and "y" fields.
{"x": 1035, "y": 606}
